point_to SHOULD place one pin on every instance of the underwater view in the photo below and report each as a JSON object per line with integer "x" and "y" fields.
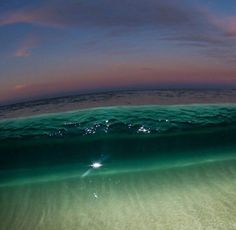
{"x": 120, "y": 167}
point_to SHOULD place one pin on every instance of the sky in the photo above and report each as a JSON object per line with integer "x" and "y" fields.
{"x": 52, "y": 48}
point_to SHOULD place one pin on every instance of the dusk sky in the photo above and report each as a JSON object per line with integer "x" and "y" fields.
{"x": 59, "y": 47}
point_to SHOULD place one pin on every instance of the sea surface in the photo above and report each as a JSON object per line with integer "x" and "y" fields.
{"x": 165, "y": 162}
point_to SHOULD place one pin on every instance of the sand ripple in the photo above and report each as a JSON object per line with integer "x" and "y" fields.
{"x": 195, "y": 197}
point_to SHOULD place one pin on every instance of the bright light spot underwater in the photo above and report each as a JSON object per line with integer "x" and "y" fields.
{"x": 96, "y": 165}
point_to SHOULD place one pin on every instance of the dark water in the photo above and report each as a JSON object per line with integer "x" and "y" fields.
{"x": 158, "y": 166}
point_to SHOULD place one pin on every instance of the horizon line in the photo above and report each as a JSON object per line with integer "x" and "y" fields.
{"x": 104, "y": 91}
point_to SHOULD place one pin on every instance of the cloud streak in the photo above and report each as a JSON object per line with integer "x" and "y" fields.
{"x": 105, "y": 13}
{"x": 166, "y": 16}
{"x": 173, "y": 20}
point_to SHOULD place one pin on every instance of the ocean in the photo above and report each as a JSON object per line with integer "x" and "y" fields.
{"x": 125, "y": 160}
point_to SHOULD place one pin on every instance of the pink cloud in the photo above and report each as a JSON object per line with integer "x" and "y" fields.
{"x": 231, "y": 26}
{"x": 26, "y": 46}
{"x": 23, "y": 52}
{"x": 227, "y": 23}
{"x": 19, "y": 87}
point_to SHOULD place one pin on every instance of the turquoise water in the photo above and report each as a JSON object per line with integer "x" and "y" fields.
{"x": 120, "y": 138}
{"x": 145, "y": 153}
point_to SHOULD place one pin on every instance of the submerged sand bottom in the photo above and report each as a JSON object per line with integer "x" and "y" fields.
{"x": 193, "y": 197}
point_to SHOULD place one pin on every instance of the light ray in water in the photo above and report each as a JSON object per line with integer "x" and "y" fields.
{"x": 86, "y": 173}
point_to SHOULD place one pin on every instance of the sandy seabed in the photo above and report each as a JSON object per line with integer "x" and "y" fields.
{"x": 193, "y": 197}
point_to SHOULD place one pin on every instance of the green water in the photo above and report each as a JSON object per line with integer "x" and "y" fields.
{"x": 162, "y": 167}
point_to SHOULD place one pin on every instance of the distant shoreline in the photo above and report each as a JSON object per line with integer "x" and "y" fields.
{"x": 115, "y": 98}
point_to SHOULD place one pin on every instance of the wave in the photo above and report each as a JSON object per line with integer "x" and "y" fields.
{"x": 130, "y": 137}
{"x": 121, "y": 120}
